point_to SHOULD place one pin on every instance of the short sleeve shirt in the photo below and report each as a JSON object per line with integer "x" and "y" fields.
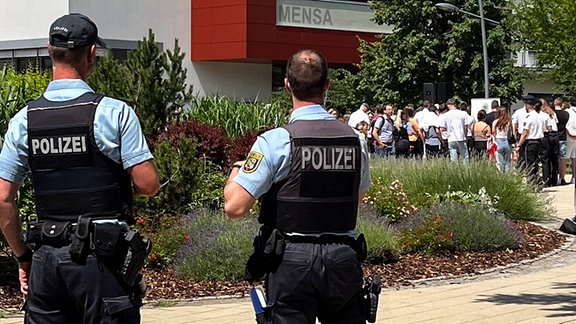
{"x": 269, "y": 159}
{"x": 535, "y": 125}
{"x": 518, "y": 118}
{"x": 117, "y": 132}
{"x": 385, "y": 128}
{"x": 453, "y": 121}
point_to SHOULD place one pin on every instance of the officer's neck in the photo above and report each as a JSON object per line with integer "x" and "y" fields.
{"x": 60, "y": 72}
{"x": 296, "y": 103}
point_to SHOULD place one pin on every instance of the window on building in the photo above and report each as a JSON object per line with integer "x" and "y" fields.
{"x": 278, "y": 75}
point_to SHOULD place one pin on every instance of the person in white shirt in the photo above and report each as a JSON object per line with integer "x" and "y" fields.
{"x": 421, "y": 115}
{"x": 571, "y": 136}
{"x": 518, "y": 118}
{"x": 455, "y": 123}
{"x": 531, "y": 138}
{"x": 550, "y": 147}
{"x": 359, "y": 115}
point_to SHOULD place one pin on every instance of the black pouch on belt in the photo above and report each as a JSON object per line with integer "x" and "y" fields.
{"x": 79, "y": 246}
{"x": 33, "y": 234}
{"x": 105, "y": 238}
{"x": 55, "y": 233}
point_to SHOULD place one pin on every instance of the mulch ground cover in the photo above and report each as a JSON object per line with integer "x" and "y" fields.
{"x": 165, "y": 284}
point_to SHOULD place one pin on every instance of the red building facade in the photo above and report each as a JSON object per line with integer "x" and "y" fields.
{"x": 248, "y": 31}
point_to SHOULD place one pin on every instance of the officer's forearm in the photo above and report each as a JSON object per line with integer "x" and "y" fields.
{"x": 11, "y": 227}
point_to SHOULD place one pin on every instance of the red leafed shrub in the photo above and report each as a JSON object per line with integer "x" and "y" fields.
{"x": 212, "y": 142}
{"x": 240, "y": 147}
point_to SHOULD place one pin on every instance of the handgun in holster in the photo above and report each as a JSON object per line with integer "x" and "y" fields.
{"x": 268, "y": 253}
{"x": 371, "y": 292}
{"x": 139, "y": 247}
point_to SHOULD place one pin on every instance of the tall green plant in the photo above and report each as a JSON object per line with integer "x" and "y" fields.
{"x": 237, "y": 117}
{"x": 17, "y": 89}
{"x": 151, "y": 81}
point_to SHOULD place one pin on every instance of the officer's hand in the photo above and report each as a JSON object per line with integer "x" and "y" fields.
{"x": 23, "y": 275}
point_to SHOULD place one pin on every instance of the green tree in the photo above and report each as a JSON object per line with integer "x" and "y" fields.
{"x": 550, "y": 30}
{"x": 342, "y": 92}
{"x": 17, "y": 89}
{"x": 432, "y": 46}
{"x": 151, "y": 81}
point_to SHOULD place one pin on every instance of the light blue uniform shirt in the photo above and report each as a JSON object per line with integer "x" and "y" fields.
{"x": 274, "y": 147}
{"x": 114, "y": 123}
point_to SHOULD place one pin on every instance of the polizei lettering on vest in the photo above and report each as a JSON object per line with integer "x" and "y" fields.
{"x": 328, "y": 158}
{"x": 58, "y": 145}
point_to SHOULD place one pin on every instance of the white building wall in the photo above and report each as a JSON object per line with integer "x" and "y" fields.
{"x": 247, "y": 81}
{"x": 536, "y": 86}
{"x": 29, "y": 19}
{"x": 131, "y": 19}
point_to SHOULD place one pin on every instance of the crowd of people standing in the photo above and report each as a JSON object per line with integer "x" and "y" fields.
{"x": 540, "y": 137}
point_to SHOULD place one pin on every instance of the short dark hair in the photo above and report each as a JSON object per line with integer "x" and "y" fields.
{"x": 307, "y": 72}
{"x": 68, "y": 56}
{"x": 481, "y": 115}
{"x": 573, "y": 101}
{"x": 426, "y": 104}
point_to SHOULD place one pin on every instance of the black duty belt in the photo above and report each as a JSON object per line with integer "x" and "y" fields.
{"x": 322, "y": 239}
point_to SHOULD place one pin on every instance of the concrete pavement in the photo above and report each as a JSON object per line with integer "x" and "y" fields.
{"x": 541, "y": 291}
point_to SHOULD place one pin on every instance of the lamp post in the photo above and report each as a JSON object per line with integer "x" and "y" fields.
{"x": 452, "y": 8}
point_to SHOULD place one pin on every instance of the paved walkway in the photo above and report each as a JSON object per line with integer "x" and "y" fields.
{"x": 542, "y": 291}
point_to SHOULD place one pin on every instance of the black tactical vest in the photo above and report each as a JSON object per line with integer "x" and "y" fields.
{"x": 71, "y": 177}
{"x": 320, "y": 193}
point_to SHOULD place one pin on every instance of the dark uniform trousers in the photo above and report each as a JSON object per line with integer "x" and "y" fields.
{"x": 550, "y": 153}
{"x": 62, "y": 290}
{"x": 531, "y": 156}
{"x": 323, "y": 280}
{"x": 521, "y": 162}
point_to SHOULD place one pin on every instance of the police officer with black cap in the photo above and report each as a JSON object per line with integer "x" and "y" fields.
{"x": 531, "y": 137}
{"x": 309, "y": 176}
{"x": 87, "y": 155}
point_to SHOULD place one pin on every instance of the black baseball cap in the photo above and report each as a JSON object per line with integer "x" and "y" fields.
{"x": 529, "y": 99}
{"x": 74, "y": 31}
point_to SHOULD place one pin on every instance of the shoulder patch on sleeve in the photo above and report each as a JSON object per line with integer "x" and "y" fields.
{"x": 252, "y": 162}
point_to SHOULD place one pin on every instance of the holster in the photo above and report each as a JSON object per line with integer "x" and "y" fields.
{"x": 269, "y": 248}
{"x": 361, "y": 247}
{"x": 139, "y": 247}
{"x": 371, "y": 296}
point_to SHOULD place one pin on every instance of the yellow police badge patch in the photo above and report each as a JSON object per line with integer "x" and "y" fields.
{"x": 252, "y": 162}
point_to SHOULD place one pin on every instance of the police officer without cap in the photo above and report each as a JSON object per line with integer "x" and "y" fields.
{"x": 309, "y": 176}
{"x": 87, "y": 154}
{"x": 531, "y": 138}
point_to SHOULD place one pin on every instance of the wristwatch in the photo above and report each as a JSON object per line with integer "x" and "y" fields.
{"x": 234, "y": 166}
{"x": 26, "y": 257}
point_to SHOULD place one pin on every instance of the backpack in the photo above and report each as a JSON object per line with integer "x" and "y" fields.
{"x": 373, "y": 122}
